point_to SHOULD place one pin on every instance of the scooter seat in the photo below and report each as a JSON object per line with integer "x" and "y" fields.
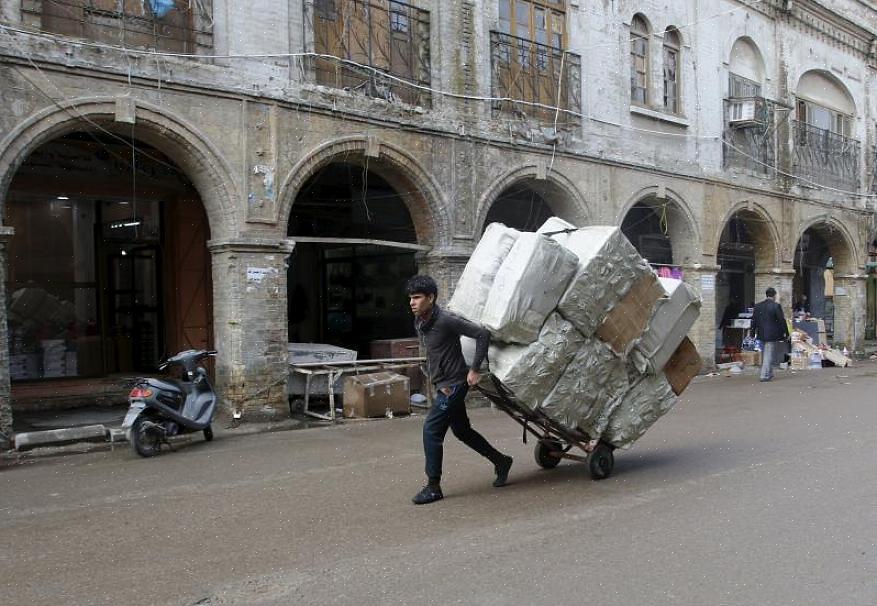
{"x": 166, "y": 386}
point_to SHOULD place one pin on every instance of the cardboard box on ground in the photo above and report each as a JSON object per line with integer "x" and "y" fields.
{"x": 600, "y": 349}
{"x": 376, "y": 394}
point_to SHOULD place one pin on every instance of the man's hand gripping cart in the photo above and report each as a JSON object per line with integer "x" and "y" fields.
{"x": 554, "y": 441}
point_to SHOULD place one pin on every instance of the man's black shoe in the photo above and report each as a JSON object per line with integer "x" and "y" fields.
{"x": 428, "y": 494}
{"x": 502, "y": 471}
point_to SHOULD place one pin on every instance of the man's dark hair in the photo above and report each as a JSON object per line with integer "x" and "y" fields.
{"x": 421, "y": 285}
{"x": 770, "y": 292}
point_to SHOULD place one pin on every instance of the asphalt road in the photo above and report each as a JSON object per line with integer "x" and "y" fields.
{"x": 746, "y": 493}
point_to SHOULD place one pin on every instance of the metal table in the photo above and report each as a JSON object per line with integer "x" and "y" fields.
{"x": 335, "y": 370}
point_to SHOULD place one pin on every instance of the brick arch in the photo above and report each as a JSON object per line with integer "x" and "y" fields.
{"x": 418, "y": 189}
{"x": 764, "y": 231}
{"x": 191, "y": 150}
{"x": 842, "y": 249}
{"x": 559, "y": 192}
{"x": 684, "y": 233}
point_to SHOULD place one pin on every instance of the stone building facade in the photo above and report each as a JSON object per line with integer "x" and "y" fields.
{"x": 733, "y": 141}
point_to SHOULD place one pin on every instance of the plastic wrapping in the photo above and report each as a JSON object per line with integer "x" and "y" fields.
{"x": 583, "y": 396}
{"x": 673, "y": 317}
{"x": 475, "y": 283}
{"x": 530, "y": 371}
{"x": 527, "y": 288}
{"x": 607, "y": 265}
{"x": 645, "y": 402}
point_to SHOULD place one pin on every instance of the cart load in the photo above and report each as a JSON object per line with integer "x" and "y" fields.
{"x": 588, "y": 343}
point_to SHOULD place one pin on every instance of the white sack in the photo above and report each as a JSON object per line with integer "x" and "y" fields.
{"x": 527, "y": 288}
{"x": 474, "y": 285}
{"x": 530, "y": 371}
{"x": 671, "y": 320}
{"x": 583, "y": 396}
{"x": 646, "y": 402}
{"x": 607, "y": 265}
{"x": 553, "y": 226}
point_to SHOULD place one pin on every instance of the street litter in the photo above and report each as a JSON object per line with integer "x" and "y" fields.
{"x": 589, "y": 346}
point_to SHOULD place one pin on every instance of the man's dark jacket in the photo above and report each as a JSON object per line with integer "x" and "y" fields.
{"x": 444, "y": 356}
{"x": 769, "y": 322}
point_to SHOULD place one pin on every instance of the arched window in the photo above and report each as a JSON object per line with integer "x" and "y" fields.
{"x": 639, "y": 60}
{"x": 672, "y": 49}
{"x": 746, "y": 70}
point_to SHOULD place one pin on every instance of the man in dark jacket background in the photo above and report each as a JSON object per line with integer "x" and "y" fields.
{"x": 770, "y": 326}
{"x": 440, "y": 331}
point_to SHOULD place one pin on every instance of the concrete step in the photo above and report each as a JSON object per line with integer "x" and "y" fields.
{"x": 57, "y": 437}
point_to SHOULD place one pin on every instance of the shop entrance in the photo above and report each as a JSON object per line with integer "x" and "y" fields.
{"x": 108, "y": 268}
{"x": 744, "y": 248}
{"x": 820, "y": 252}
{"x": 355, "y": 247}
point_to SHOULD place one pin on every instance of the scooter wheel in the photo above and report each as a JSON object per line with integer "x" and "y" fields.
{"x": 208, "y": 433}
{"x": 146, "y": 443}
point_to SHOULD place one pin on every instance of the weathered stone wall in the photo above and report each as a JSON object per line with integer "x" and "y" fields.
{"x": 249, "y": 132}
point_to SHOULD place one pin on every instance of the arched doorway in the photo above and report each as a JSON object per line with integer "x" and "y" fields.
{"x": 820, "y": 254}
{"x": 747, "y": 248}
{"x": 108, "y": 269}
{"x": 646, "y": 225}
{"x": 355, "y": 248}
{"x": 522, "y": 205}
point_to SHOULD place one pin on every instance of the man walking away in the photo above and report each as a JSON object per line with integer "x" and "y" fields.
{"x": 770, "y": 326}
{"x": 440, "y": 332}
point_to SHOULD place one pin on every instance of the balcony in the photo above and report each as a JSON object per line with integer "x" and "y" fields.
{"x": 176, "y": 26}
{"x": 531, "y": 79}
{"x": 377, "y": 47}
{"x": 825, "y": 158}
{"x": 749, "y": 140}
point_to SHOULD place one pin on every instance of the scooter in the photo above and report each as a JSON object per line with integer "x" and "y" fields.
{"x": 161, "y": 408}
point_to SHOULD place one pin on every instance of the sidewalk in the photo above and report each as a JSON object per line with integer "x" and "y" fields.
{"x": 101, "y": 425}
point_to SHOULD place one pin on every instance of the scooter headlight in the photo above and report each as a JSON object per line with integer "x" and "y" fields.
{"x": 140, "y": 392}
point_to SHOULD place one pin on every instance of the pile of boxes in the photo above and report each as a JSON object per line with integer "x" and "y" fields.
{"x": 582, "y": 329}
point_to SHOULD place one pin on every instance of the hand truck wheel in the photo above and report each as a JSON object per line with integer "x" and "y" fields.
{"x": 543, "y": 455}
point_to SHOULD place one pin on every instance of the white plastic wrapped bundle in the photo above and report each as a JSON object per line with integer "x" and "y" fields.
{"x": 671, "y": 320}
{"x": 476, "y": 281}
{"x": 527, "y": 288}
{"x": 557, "y": 229}
{"x": 530, "y": 371}
{"x": 646, "y": 402}
{"x": 591, "y": 382}
{"x": 607, "y": 265}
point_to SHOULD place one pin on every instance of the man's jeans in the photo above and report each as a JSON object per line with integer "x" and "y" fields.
{"x": 450, "y": 411}
{"x": 768, "y": 356}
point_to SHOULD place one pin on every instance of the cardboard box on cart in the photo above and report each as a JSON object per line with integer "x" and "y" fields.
{"x": 372, "y": 395}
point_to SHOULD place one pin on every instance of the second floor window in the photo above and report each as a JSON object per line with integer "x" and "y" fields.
{"x": 540, "y": 21}
{"x": 824, "y": 118}
{"x": 742, "y": 88}
{"x": 391, "y": 37}
{"x": 179, "y": 26}
{"x": 671, "y": 70}
{"x": 639, "y": 61}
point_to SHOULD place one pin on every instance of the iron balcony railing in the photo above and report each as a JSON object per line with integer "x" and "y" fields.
{"x": 181, "y": 26}
{"x": 825, "y": 158}
{"x": 378, "y": 47}
{"x": 531, "y": 79}
{"x": 749, "y": 137}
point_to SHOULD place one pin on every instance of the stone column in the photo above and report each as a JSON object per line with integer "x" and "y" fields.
{"x": 250, "y": 326}
{"x": 702, "y": 278}
{"x": 781, "y": 281}
{"x": 5, "y": 387}
{"x": 849, "y": 312}
{"x": 446, "y": 266}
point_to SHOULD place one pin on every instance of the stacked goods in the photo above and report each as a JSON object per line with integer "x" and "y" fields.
{"x": 582, "y": 329}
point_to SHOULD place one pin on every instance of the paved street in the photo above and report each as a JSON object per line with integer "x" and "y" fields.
{"x": 746, "y": 493}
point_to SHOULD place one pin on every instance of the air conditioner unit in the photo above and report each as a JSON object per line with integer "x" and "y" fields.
{"x": 742, "y": 111}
